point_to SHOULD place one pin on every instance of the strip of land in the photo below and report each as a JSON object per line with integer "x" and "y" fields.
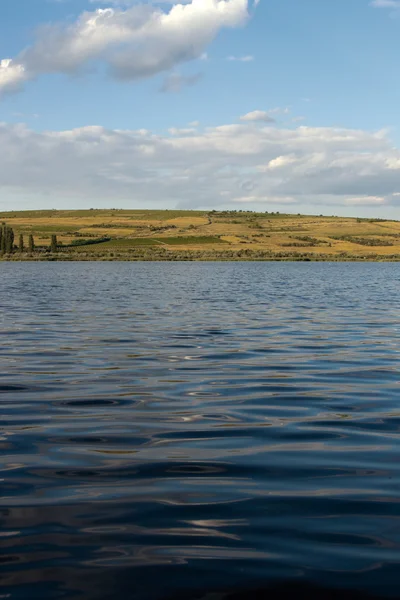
{"x": 197, "y": 235}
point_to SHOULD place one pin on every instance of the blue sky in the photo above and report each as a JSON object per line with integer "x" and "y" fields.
{"x": 271, "y": 105}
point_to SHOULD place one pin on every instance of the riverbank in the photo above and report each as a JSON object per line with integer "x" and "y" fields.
{"x": 200, "y": 257}
{"x": 169, "y": 235}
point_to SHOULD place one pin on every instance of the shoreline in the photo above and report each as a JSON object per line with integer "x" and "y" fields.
{"x": 78, "y": 257}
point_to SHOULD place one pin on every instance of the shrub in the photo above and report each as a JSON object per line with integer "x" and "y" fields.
{"x": 53, "y": 244}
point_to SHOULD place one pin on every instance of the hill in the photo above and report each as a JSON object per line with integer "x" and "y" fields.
{"x": 196, "y": 235}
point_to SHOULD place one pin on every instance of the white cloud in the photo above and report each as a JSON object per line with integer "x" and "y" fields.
{"x": 279, "y": 110}
{"x": 266, "y": 200}
{"x": 181, "y": 131}
{"x": 257, "y": 115}
{"x": 366, "y": 201}
{"x": 138, "y": 42}
{"x": 281, "y": 161}
{"x": 246, "y": 58}
{"x": 174, "y": 82}
{"x": 214, "y": 167}
{"x": 12, "y": 75}
{"x": 385, "y": 3}
{"x": 130, "y": 2}
{"x": 265, "y": 115}
{"x": 393, "y": 163}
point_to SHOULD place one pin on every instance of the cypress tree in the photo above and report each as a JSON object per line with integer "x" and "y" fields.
{"x": 21, "y": 242}
{"x": 3, "y": 239}
{"x": 9, "y": 237}
{"x": 53, "y": 246}
{"x": 12, "y": 238}
{"x": 31, "y": 243}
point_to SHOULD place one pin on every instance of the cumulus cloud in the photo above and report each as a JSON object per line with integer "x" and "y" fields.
{"x": 213, "y": 167}
{"x": 246, "y": 58}
{"x": 257, "y": 115}
{"x": 130, "y": 2}
{"x": 282, "y": 110}
{"x": 136, "y": 42}
{"x": 181, "y": 131}
{"x": 266, "y": 200}
{"x": 174, "y": 82}
{"x": 12, "y": 75}
{"x": 366, "y": 201}
{"x": 385, "y": 3}
{"x": 279, "y": 162}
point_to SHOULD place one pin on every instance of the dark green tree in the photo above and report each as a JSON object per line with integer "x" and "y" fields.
{"x": 11, "y": 238}
{"x": 31, "y": 243}
{"x": 21, "y": 242}
{"x": 3, "y": 238}
{"x": 53, "y": 246}
{"x": 8, "y": 235}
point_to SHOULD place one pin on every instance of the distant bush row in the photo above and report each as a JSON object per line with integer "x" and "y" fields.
{"x": 366, "y": 241}
{"x": 88, "y": 242}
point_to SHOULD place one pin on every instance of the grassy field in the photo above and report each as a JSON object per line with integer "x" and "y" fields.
{"x": 195, "y": 235}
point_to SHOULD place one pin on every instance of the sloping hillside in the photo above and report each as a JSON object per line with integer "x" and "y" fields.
{"x": 186, "y": 235}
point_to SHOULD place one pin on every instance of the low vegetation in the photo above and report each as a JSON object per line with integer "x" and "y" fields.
{"x": 365, "y": 241}
{"x": 193, "y": 235}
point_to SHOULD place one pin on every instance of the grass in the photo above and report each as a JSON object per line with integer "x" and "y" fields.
{"x": 122, "y": 243}
{"x": 191, "y": 240}
{"x": 200, "y": 235}
{"x": 366, "y": 241}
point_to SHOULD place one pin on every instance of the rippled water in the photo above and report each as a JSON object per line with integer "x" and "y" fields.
{"x": 182, "y": 427}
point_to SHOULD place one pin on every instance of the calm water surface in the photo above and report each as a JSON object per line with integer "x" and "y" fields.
{"x": 172, "y": 428}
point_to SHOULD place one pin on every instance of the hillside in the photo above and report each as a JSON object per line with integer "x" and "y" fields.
{"x": 195, "y": 235}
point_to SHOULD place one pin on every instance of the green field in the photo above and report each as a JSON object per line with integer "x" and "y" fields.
{"x": 200, "y": 235}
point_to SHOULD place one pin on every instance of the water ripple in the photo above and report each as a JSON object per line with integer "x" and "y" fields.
{"x": 231, "y": 425}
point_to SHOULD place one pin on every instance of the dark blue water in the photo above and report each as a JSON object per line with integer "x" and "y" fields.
{"x": 168, "y": 430}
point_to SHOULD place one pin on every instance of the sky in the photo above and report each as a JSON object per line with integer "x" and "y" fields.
{"x": 267, "y": 105}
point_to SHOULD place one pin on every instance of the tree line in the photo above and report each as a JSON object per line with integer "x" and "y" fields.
{"x": 8, "y": 245}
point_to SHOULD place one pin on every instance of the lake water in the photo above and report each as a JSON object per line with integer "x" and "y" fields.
{"x": 173, "y": 429}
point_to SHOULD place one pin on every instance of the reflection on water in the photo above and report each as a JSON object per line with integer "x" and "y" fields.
{"x": 172, "y": 429}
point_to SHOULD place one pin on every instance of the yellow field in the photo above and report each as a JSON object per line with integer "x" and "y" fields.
{"x": 171, "y": 234}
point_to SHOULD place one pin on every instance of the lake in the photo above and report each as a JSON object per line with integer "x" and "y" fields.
{"x": 169, "y": 430}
